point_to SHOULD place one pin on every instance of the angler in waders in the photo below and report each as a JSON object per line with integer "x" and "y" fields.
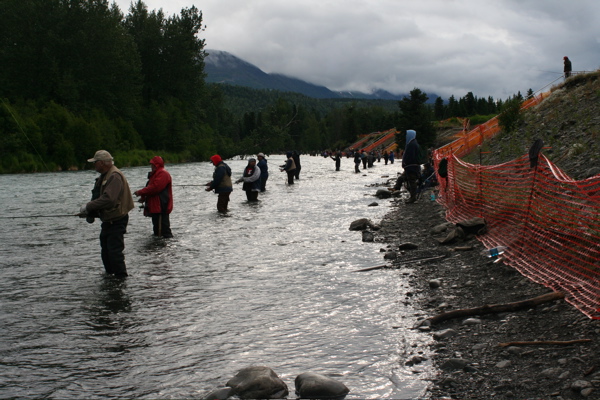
{"x": 157, "y": 197}
{"x": 111, "y": 202}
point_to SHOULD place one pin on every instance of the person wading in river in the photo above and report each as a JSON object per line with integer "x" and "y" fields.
{"x": 221, "y": 182}
{"x": 251, "y": 179}
{"x": 111, "y": 201}
{"x": 157, "y": 197}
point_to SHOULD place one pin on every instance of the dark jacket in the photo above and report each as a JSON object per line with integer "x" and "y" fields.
{"x": 264, "y": 168}
{"x": 411, "y": 159}
{"x": 221, "y": 182}
{"x": 158, "y": 193}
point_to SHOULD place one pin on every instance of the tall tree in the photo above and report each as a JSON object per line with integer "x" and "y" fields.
{"x": 416, "y": 115}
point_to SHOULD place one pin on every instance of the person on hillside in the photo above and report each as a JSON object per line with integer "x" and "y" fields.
{"x": 392, "y": 156}
{"x": 111, "y": 202}
{"x": 567, "y": 66}
{"x": 357, "y": 161}
{"x": 411, "y": 164}
{"x": 296, "y": 157}
{"x": 289, "y": 167}
{"x": 386, "y": 157}
{"x": 251, "y": 179}
{"x": 338, "y": 159}
{"x": 264, "y": 171}
{"x": 221, "y": 183}
{"x": 157, "y": 197}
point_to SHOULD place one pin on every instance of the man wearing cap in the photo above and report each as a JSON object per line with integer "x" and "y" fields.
{"x": 264, "y": 171}
{"x": 251, "y": 179}
{"x": 111, "y": 201}
{"x": 157, "y": 197}
{"x": 221, "y": 182}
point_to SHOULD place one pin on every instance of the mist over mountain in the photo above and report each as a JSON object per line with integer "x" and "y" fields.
{"x": 224, "y": 67}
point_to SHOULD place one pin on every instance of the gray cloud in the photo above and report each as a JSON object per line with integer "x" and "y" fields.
{"x": 447, "y": 47}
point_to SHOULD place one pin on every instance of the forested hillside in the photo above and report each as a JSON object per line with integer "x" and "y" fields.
{"x": 80, "y": 75}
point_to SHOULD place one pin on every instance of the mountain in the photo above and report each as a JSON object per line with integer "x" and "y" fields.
{"x": 223, "y": 67}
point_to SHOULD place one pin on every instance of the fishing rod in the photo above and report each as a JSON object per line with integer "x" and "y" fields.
{"x": 45, "y": 216}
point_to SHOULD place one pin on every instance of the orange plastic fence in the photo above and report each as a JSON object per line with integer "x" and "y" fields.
{"x": 387, "y": 136}
{"x": 476, "y": 136}
{"x": 549, "y": 222}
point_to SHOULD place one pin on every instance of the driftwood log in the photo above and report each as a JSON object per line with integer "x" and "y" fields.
{"x": 496, "y": 308}
{"x": 545, "y": 342}
{"x": 403, "y": 261}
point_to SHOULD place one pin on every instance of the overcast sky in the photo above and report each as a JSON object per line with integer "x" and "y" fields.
{"x": 447, "y": 47}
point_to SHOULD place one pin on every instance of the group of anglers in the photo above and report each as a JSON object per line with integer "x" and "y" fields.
{"x": 112, "y": 200}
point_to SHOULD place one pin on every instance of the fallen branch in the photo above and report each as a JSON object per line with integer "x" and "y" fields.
{"x": 496, "y": 308}
{"x": 545, "y": 342}
{"x": 413, "y": 259}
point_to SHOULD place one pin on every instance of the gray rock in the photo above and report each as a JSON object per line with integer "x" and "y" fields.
{"x": 258, "y": 382}
{"x": 441, "y": 228}
{"x": 454, "y": 364}
{"x": 472, "y": 321}
{"x": 390, "y": 255}
{"x": 316, "y": 386}
{"x": 408, "y": 246}
{"x": 579, "y": 385}
{"x": 504, "y": 364}
{"x": 552, "y": 373}
{"x": 446, "y": 333}
{"x": 435, "y": 283}
{"x": 368, "y": 236}
{"x": 415, "y": 360}
{"x": 586, "y": 392}
{"x": 515, "y": 350}
{"x": 360, "y": 224}
{"x": 374, "y": 204}
{"x": 383, "y": 194}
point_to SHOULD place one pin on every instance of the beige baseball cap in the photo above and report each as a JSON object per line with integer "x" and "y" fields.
{"x": 101, "y": 155}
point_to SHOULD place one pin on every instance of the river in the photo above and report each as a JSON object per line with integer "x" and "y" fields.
{"x": 269, "y": 283}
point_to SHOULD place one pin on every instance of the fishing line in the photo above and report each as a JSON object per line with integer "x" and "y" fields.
{"x": 24, "y": 134}
{"x": 43, "y": 216}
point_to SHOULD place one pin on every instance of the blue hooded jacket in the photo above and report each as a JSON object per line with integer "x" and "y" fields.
{"x": 410, "y": 159}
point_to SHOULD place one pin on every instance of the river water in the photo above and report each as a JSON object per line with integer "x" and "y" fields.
{"x": 267, "y": 284}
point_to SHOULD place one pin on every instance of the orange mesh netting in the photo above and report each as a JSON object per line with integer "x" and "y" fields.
{"x": 549, "y": 222}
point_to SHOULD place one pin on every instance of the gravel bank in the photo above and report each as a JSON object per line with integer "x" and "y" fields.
{"x": 466, "y": 351}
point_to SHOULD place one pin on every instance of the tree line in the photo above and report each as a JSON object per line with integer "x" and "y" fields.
{"x": 80, "y": 75}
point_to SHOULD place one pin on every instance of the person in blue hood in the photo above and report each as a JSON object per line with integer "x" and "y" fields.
{"x": 411, "y": 164}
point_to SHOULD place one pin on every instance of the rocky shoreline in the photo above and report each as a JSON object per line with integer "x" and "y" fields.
{"x": 467, "y": 351}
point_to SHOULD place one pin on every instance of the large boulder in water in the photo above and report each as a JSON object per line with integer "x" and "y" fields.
{"x": 315, "y": 386}
{"x": 258, "y": 383}
{"x": 360, "y": 224}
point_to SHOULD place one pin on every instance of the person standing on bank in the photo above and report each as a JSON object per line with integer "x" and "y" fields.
{"x": 157, "y": 197}
{"x": 251, "y": 179}
{"x": 111, "y": 202}
{"x": 264, "y": 171}
{"x": 221, "y": 182}
{"x": 289, "y": 167}
{"x": 567, "y": 67}
{"x": 411, "y": 164}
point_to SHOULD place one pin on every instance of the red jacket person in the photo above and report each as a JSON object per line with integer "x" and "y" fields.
{"x": 157, "y": 197}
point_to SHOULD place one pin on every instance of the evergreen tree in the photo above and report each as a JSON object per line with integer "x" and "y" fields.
{"x": 416, "y": 115}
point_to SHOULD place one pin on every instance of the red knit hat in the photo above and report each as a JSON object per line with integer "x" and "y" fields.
{"x": 216, "y": 159}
